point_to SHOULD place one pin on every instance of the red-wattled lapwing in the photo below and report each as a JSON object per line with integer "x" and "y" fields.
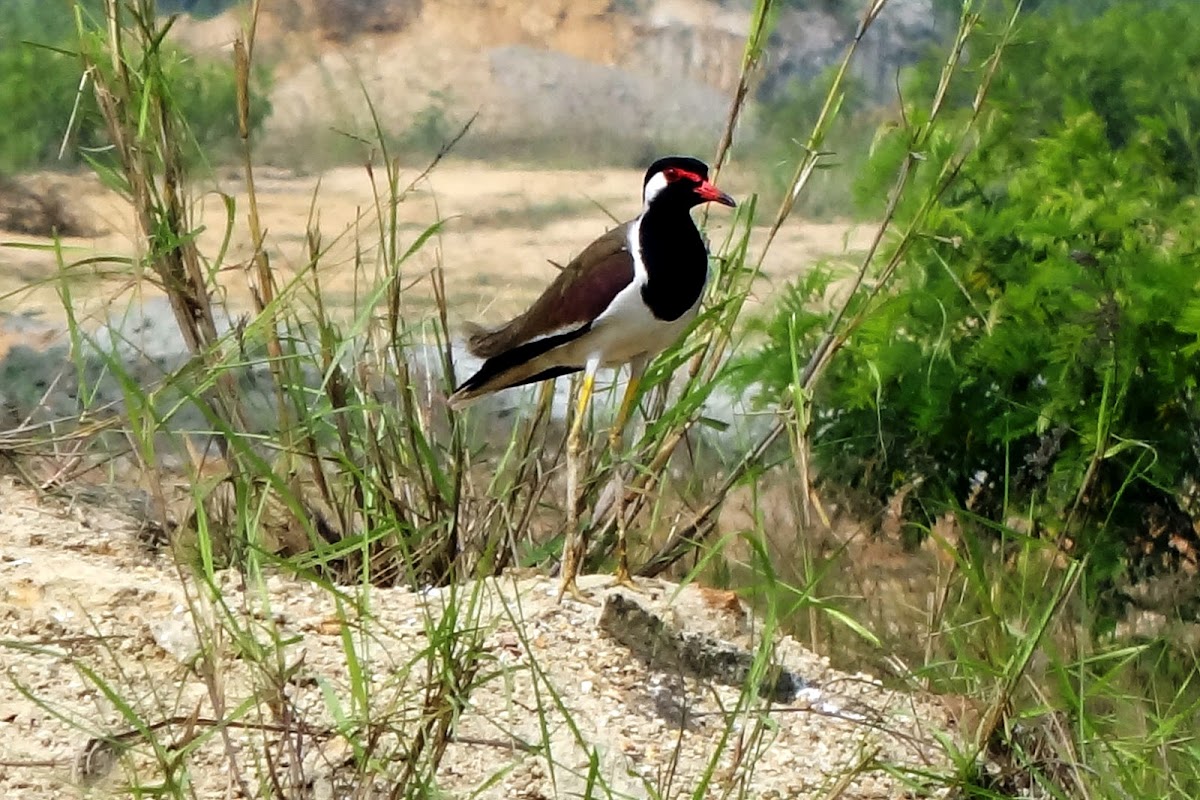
{"x": 623, "y": 300}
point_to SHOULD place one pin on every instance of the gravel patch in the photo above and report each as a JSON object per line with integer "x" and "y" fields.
{"x": 76, "y": 590}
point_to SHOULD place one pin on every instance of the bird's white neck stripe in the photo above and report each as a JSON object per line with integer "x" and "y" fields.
{"x": 634, "y": 242}
{"x": 653, "y": 187}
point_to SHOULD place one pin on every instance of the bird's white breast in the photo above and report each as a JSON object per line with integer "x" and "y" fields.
{"x": 627, "y": 328}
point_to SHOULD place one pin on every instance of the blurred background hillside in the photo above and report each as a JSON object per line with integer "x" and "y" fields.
{"x": 562, "y": 82}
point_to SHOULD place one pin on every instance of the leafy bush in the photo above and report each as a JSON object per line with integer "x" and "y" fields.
{"x": 39, "y": 91}
{"x": 37, "y": 85}
{"x": 1039, "y": 350}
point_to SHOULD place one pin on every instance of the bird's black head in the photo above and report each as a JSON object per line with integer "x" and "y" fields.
{"x": 681, "y": 181}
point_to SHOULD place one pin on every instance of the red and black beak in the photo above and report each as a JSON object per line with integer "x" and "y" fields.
{"x": 711, "y": 193}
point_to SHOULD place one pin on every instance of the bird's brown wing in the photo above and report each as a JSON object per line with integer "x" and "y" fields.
{"x": 580, "y": 292}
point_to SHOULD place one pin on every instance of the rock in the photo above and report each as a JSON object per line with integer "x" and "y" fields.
{"x": 657, "y": 73}
{"x": 555, "y": 94}
{"x": 807, "y": 42}
{"x": 176, "y": 635}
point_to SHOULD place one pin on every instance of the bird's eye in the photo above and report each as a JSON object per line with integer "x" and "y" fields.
{"x": 671, "y": 174}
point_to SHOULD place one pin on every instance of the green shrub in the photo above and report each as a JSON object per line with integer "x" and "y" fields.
{"x": 37, "y": 85}
{"x": 39, "y": 91}
{"x": 207, "y": 95}
{"x": 1042, "y": 337}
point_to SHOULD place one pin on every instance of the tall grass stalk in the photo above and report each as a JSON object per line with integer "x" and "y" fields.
{"x": 144, "y": 128}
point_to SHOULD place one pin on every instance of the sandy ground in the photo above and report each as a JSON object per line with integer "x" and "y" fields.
{"x": 88, "y": 613}
{"x": 502, "y": 229}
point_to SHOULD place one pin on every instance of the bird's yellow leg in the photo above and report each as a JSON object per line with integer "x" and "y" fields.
{"x": 575, "y": 543}
{"x": 631, "y": 390}
{"x": 616, "y": 448}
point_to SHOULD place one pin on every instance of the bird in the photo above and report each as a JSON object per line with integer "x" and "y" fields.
{"x": 625, "y": 298}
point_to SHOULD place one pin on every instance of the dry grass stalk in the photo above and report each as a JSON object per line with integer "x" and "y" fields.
{"x": 145, "y": 133}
